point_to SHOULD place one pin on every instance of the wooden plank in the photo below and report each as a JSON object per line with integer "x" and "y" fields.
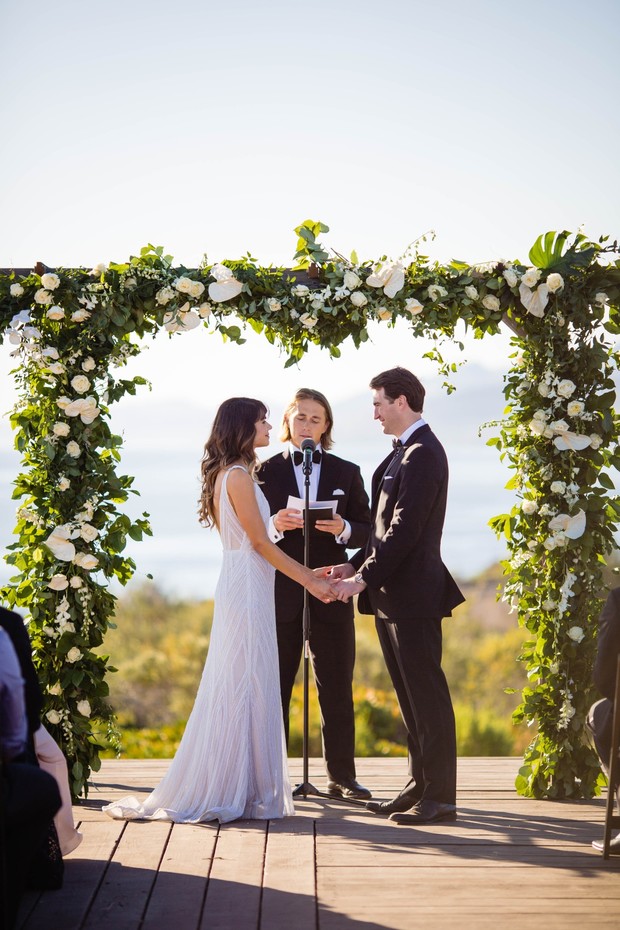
{"x": 181, "y": 884}
{"x": 289, "y": 878}
{"x": 235, "y": 883}
{"x": 129, "y": 878}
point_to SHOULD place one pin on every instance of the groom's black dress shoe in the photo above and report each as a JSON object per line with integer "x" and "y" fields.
{"x": 614, "y": 845}
{"x": 402, "y": 802}
{"x": 426, "y": 812}
{"x": 348, "y": 788}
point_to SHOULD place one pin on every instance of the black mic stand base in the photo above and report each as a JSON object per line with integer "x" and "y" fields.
{"x": 306, "y": 789}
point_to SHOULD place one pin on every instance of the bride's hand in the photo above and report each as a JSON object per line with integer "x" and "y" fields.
{"x": 321, "y": 589}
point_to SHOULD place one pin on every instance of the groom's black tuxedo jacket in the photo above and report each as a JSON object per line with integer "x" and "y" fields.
{"x": 402, "y": 563}
{"x": 277, "y": 480}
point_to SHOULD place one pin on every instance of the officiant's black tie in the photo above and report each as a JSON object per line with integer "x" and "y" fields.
{"x": 298, "y": 457}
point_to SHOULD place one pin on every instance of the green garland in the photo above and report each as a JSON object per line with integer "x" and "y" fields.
{"x": 72, "y": 330}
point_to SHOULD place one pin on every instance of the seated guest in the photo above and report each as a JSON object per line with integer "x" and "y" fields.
{"x": 29, "y": 797}
{"x": 600, "y": 717}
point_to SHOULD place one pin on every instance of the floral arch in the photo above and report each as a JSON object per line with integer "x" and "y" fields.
{"x": 73, "y": 329}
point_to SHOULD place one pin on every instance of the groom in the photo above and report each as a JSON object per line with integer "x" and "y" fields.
{"x": 401, "y": 578}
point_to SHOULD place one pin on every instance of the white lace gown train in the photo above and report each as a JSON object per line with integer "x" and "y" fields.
{"x": 231, "y": 762}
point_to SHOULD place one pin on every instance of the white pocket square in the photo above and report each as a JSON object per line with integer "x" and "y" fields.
{"x": 338, "y": 491}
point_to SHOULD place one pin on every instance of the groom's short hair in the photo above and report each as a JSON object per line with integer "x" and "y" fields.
{"x": 400, "y": 381}
{"x": 310, "y": 394}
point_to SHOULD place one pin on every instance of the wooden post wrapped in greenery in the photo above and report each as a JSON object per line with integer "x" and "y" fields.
{"x": 73, "y": 329}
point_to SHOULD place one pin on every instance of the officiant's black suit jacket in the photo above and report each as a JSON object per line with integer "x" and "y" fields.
{"x": 402, "y": 564}
{"x": 278, "y": 481}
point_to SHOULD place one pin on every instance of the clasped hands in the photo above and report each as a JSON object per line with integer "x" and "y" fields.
{"x": 342, "y": 585}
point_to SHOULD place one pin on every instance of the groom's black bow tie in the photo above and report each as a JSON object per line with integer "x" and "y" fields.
{"x": 298, "y": 457}
{"x": 397, "y": 445}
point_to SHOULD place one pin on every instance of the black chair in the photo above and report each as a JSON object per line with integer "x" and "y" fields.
{"x": 613, "y": 820}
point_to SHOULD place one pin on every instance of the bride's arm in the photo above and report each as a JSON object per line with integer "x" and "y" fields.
{"x": 243, "y": 497}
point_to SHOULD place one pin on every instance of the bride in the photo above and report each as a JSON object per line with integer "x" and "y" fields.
{"x": 231, "y": 762}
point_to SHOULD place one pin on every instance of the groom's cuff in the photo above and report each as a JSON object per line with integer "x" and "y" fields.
{"x": 274, "y": 535}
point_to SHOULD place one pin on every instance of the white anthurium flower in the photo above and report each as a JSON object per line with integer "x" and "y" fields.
{"x": 559, "y": 426}
{"x": 574, "y": 442}
{"x": 58, "y": 582}
{"x": 531, "y": 277}
{"x": 413, "y": 306}
{"x": 59, "y": 542}
{"x": 50, "y": 281}
{"x": 576, "y": 634}
{"x": 85, "y": 560}
{"x": 88, "y": 532}
{"x": 80, "y": 316}
{"x": 53, "y": 716}
{"x": 384, "y": 314}
{"x": 534, "y": 301}
{"x": 15, "y": 338}
{"x": 73, "y": 449}
{"x": 390, "y": 277}
{"x": 225, "y": 287}
{"x": 80, "y": 383}
{"x": 74, "y": 655}
{"x": 55, "y": 313}
{"x": 308, "y": 320}
{"x": 554, "y": 282}
{"x": 300, "y": 290}
{"x": 189, "y": 320}
{"x": 84, "y": 708}
{"x": 471, "y": 292}
{"x": 351, "y": 280}
{"x": 436, "y": 292}
{"x": 510, "y": 277}
{"x": 572, "y": 527}
{"x": 550, "y": 543}
{"x": 273, "y": 305}
{"x": 22, "y": 317}
{"x": 575, "y": 408}
{"x": 42, "y": 296}
{"x": 63, "y": 402}
{"x": 16, "y": 290}
{"x": 566, "y": 388}
{"x": 83, "y": 407}
{"x": 490, "y": 302}
{"x": 358, "y": 299}
{"x": 50, "y": 352}
{"x": 76, "y": 582}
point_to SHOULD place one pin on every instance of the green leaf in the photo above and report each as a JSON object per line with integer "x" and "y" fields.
{"x": 548, "y": 249}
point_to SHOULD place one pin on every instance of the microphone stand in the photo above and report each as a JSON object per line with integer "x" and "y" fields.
{"x": 306, "y": 787}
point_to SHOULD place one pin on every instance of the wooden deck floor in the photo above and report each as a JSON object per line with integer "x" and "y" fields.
{"x": 506, "y": 863}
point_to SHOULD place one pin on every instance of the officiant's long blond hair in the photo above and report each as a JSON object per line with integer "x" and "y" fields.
{"x": 232, "y": 440}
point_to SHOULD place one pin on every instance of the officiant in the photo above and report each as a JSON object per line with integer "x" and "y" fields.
{"x": 332, "y": 632}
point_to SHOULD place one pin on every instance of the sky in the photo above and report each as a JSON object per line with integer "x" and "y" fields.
{"x": 217, "y": 128}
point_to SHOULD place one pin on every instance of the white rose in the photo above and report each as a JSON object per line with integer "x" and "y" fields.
{"x": 55, "y": 313}
{"x": 358, "y": 299}
{"x": 88, "y": 364}
{"x": 491, "y": 302}
{"x": 42, "y": 296}
{"x": 80, "y": 383}
{"x": 596, "y": 441}
{"x": 75, "y": 581}
{"x": 576, "y": 634}
{"x": 61, "y": 429}
{"x": 50, "y": 352}
{"x": 64, "y": 484}
{"x": 538, "y": 427}
{"x": 575, "y": 408}
{"x": 566, "y": 388}
{"x": 559, "y": 426}
{"x": 471, "y": 292}
{"x": 50, "y": 281}
{"x": 531, "y": 277}
{"x": 550, "y": 543}
{"x": 510, "y": 276}
{"x": 54, "y": 689}
{"x": 307, "y": 320}
{"x": 554, "y": 282}
{"x": 384, "y": 314}
{"x": 273, "y": 305}
{"x": 73, "y": 449}
{"x": 601, "y": 298}
{"x": 300, "y": 290}
{"x": 86, "y": 561}
{"x": 164, "y": 295}
{"x": 79, "y": 316}
{"x": 541, "y": 414}
{"x": 413, "y": 306}
{"x": 558, "y": 487}
{"x": 197, "y": 289}
{"x": 528, "y": 506}
{"x": 99, "y": 269}
{"x": 58, "y": 582}
{"x": 56, "y": 368}
{"x": 205, "y": 310}
{"x": 549, "y": 604}
{"x": 183, "y": 284}
{"x": 436, "y": 291}
{"x": 53, "y": 716}
{"x": 74, "y": 654}
{"x": 84, "y": 708}
{"x": 16, "y": 290}
{"x": 88, "y": 532}
{"x": 351, "y": 280}
{"x": 543, "y": 389}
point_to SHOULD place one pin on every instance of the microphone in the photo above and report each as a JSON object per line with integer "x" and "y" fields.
{"x": 307, "y": 447}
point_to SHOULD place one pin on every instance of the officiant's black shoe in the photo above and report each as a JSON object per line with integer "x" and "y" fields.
{"x": 614, "y": 845}
{"x": 348, "y": 788}
{"x": 426, "y": 812}
{"x": 402, "y": 802}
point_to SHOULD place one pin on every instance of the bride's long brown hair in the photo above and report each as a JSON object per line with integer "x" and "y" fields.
{"x": 232, "y": 440}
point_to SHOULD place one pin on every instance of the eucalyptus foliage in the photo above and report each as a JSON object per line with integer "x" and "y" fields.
{"x": 74, "y": 329}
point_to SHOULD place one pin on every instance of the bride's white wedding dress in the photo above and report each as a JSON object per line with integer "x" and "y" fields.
{"x": 231, "y": 762}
